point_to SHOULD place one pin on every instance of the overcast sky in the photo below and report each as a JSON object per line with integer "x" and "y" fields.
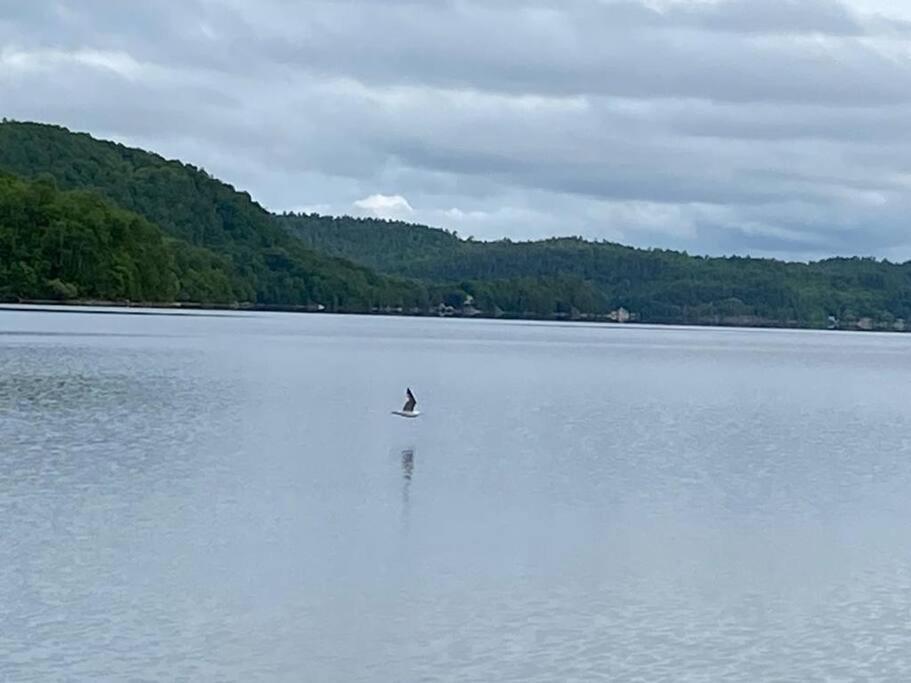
{"x": 769, "y": 127}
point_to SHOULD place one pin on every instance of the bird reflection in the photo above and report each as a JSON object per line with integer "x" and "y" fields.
{"x": 407, "y": 474}
{"x": 408, "y": 464}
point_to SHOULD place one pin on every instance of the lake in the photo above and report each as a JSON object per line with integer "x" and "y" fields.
{"x": 227, "y": 497}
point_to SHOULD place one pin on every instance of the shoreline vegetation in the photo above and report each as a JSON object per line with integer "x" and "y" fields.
{"x": 85, "y": 222}
{"x": 167, "y": 308}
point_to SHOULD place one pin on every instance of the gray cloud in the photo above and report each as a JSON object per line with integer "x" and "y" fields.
{"x": 591, "y": 48}
{"x": 776, "y": 17}
{"x": 778, "y": 127}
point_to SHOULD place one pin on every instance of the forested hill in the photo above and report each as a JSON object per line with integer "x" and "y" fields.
{"x": 653, "y": 285}
{"x": 144, "y": 228}
{"x": 263, "y": 263}
{"x": 69, "y": 245}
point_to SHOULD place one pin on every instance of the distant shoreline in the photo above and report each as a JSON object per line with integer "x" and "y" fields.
{"x": 227, "y": 310}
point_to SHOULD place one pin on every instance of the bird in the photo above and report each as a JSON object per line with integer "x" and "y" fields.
{"x": 408, "y": 410}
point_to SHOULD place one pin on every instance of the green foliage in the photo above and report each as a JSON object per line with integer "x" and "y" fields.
{"x": 64, "y": 245}
{"x": 228, "y": 247}
{"x": 560, "y": 276}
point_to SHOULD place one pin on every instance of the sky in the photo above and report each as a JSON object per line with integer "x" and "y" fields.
{"x": 765, "y": 127}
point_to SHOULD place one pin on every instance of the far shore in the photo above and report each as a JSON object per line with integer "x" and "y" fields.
{"x": 225, "y": 310}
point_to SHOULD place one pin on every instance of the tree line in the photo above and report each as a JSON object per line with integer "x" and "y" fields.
{"x": 554, "y": 276}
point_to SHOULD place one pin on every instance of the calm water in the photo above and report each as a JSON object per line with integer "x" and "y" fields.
{"x": 227, "y": 498}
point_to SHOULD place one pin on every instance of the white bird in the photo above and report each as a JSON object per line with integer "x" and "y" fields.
{"x": 408, "y": 409}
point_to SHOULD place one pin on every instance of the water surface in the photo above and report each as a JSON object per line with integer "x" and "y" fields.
{"x": 204, "y": 497}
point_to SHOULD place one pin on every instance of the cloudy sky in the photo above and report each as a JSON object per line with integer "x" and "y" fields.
{"x": 769, "y": 127}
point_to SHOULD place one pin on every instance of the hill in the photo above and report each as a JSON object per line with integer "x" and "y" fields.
{"x": 262, "y": 263}
{"x": 198, "y": 239}
{"x": 67, "y": 245}
{"x": 654, "y": 285}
